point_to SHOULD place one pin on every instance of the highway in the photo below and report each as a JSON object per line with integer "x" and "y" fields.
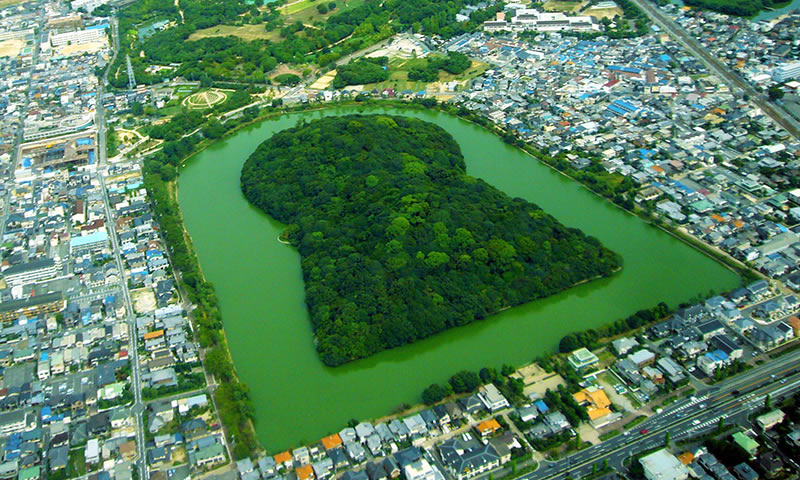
{"x": 733, "y": 400}
{"x": 720, "y": 69}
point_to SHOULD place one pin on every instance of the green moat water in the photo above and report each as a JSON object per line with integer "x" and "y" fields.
{"x": 260, "y": 287}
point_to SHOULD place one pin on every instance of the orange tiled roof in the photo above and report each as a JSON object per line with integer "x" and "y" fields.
{"x": 151, "y": 335}
{"x": 686, "y": 458}
{"x": 488, "y": 426}
{"x": 282, "y": 457}
{"x": 599, "y": 399}
{"x": 595, "y": 413}
{"x": 305, "y": 472}
{"x": 331, "y": 441}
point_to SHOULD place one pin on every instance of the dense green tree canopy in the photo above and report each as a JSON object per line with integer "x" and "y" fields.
{"x": 397, "y": 242}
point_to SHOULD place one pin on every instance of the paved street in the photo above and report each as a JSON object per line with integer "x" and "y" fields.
{"x": 733, "y": 400}
{"x": 138, "y": 406}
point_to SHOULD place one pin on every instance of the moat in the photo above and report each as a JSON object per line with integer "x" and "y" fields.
{"x": 260, "y": 287}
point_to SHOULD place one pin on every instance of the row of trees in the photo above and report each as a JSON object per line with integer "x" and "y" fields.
{"x": 745, "y": 8}
{"x": 235, "y": 407}
{"x": 397, "y": 242}
{"x": 466, "y": 381}
{"x": 589, "y": 338}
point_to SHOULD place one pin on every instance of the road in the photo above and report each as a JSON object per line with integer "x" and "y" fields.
{"x": 133, "y": 352}
{"x": 24, "y": 110}
{"x": 732, "y": 400}
{"x": 720, "y": 69}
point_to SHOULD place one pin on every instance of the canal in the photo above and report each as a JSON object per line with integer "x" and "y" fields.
{"x": 260, "y": 288}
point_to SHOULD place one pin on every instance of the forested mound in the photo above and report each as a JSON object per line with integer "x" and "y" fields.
{"x": 397, "y": 242}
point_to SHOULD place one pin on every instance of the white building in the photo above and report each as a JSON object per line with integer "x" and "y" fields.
{"x": 89, "y": 35}
{"x": 419, "y": 470}
{"x": 786, "y": 71}
{"x": 662, "y": 465}
{"x": 492, "y": 398}
{"x": 532, "y": 19}
{"x": 92, "y": 452}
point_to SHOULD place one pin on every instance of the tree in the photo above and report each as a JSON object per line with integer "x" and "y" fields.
{"x": 721, "y": 425}
{"x": 389, "y": 258}
{"x": 775, "y": 93}
{"x": 666, "y": 439}
{"x": 433, "y": 394}
{"x": 767, "y": 402}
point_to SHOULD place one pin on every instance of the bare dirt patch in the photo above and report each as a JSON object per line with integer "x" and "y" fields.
{"x": 12, "y": 47}
{"x": 536, "y": 380}
{"x": 324, "y": 81}
{"x": 144, "y": 300}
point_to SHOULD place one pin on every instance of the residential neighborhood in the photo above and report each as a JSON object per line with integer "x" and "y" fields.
{"x": 101, "y": 366}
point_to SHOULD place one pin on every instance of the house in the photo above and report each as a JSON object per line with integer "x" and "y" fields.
{"x": 364, "y": 430}
{"x": 244, "y": 466}
{"x": 419, "y": 470}
{"x": 758, "y": 289}
{"x": 208, "y": 456}
{"x": 348, "y": 435}
{"x": 642, "y": 357}
{"x": 339, "y": 458}
{"x": 710, "y": 328}
{"x": 624, "y": 345}
{"x": 355, "y": 451}
{"x": 466, "y": 457}
{"x": 92, "y": 451}
{"x": 471, "y": 404}
{"x": 488, "y": 427}
{"x": 770, "y": 419}
{"x": 398, "y": 429}
{"x": 332, "y": 441}
{"x": 305, "y": 472}
{"x": 267, "y": 466}
{"x": 375, "y": 471}
{"x": 301, "y": 456}
{"x": 194, "y": 428}
{"x": 157, "y": 455}
{"x": 442, "y": 416}
{"x": 323, "y": 468}
{"x": 770, "y": 462}
{"x": 662, "y": 465}
{"x": 527, "y": 413}
{"x": 582, "y": 358}
{"x": 744, "y": 471}
{"x": 415, "y": 425}
{"x": 355, "y": 475}
{"x": 391, "y": 467}
{"x": 596, "y": 402}
{"x": 746, "y": 443}
{"x": 283, "y": 460}
{"x": 492, "y": 398}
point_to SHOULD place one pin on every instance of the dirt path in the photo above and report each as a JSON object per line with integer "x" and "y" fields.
{"x": 178, "y": 6}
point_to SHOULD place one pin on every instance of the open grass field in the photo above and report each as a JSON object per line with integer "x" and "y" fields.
{"x": 309, "y": 14}
{"x": 561, "y": 6}
{"x": 9, "y": 3}
{"x": 604, "y": 12}
{"x": 205, "y": 99}
{"x": 247, "y": 33}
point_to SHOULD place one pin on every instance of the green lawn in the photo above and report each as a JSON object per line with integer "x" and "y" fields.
{"x": 77, "y": 463}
